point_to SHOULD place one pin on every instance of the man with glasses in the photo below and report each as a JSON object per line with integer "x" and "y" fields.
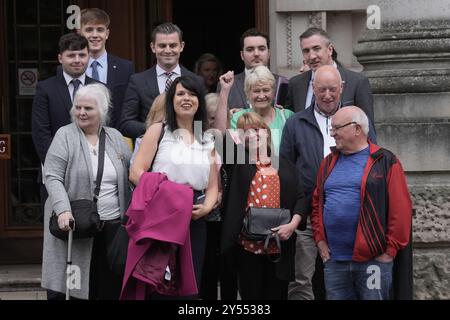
{"x": 362, "y": 213}
{"x": 306, "y": 141}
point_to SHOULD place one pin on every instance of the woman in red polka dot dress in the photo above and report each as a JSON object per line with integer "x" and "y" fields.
{"x": 260, "y": 182}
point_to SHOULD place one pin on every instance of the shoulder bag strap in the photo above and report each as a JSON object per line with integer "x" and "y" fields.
{"x": 101, "y": 163}
{"x": 157, "y": 145}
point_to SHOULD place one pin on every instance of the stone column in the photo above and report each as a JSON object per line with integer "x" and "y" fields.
{"x": 407, "y": 61}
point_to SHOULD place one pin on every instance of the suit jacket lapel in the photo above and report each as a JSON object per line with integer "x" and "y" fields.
{"x": 304, "y": 87}
{"x": 239, "y": 83}
{"x": 63, "y": 90}
{"x": 151, "y": 82}
{"x": 112, "y": 70}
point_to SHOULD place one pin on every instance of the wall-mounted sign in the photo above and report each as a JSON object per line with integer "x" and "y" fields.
{"x": 28, "y": 79}
{"x": 5, "y": 147}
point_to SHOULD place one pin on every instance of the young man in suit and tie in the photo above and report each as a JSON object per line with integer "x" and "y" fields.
{"x": 255, "y": 51}
{"x": 167, "y": 44}
{"x": 53, "y": 100}
{"x": 317, "y": 51}
{"x": 54, "y": 96}
{"x": 111, "y": 70}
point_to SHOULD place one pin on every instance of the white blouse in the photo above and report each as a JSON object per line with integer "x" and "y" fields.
{"x": 183, "y": 163}
{"x": 108, "y": 200}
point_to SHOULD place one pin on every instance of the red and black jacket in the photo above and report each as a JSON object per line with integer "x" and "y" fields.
{"x": 386, "y": 210}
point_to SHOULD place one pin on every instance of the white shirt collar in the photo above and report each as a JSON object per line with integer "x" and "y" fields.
{"x": 68, "y": 78}
{"x": 103, "y": 60}
{"x": 160, "y": 71}
{"x": 247, "y": 72}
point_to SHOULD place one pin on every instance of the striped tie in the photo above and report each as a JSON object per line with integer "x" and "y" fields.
{"x": 168, "y": 80}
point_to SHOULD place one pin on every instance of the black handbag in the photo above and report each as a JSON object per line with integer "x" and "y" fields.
{"x": 117, "y": 250}
{"x": 84, "y": 211}
{"x": 258, "y": 224}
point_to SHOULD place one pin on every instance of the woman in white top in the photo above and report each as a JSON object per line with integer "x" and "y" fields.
{"x": 185, "y": 154}
{"x": 70, "y": 172}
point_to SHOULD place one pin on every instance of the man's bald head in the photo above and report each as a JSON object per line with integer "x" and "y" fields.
{"x": 350, "y": 128}
{"x": 327, "y": 88}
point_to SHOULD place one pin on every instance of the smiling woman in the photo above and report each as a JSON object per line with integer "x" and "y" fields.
{"x": 186, "y": 156}
{"x": 70, "y": 170}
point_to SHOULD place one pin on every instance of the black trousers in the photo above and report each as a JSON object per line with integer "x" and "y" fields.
{"x": 257, "y": 278}
{"x": 217, "y": 267}
{"x": 103, "y": 284}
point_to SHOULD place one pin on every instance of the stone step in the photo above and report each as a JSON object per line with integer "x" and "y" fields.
{"x": 20, "y": 278}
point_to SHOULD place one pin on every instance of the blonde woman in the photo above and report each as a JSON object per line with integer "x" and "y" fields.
{"x": 259, "y": 87}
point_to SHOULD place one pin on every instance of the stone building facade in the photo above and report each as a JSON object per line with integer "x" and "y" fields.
{"x": 403, "y": 47}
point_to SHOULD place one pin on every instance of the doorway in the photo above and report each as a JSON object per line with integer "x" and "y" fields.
{"x": 214, "y": 27}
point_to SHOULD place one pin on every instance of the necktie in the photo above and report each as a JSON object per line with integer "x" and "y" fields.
{"x": 76, "y": 84}
{"x": 95, "y": 71}
{"x": 168, "y": 80}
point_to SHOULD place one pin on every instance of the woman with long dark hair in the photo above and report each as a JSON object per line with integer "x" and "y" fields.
{"x": 185, "y": 154}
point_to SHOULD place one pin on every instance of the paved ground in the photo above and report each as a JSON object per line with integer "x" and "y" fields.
{"x": 21, "y": 282}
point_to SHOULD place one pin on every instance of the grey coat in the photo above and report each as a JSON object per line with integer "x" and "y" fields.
{"x": 69, "y": 176}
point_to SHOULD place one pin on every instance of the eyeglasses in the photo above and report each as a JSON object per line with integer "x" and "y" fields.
{"x": 335, "y": 129}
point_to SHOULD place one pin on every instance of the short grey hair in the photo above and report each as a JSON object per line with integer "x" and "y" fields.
{"x": 360, "y": 118}
{"x": 259, "y": 75}
{"x": 100, "y": 94}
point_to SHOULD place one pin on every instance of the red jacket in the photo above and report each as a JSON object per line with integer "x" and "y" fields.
{"x": 386, "y": 209}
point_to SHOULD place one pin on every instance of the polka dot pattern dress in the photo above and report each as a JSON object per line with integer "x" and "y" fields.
{"x": 264, "y": 193}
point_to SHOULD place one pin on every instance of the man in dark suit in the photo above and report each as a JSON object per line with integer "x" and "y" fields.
{"x": 167, "y": 44}
{"x": 113, "y": 71}
{"x": 255, "y": 52}
{"x": 54, "y": 96}
{"x": 317, "y": 51}
{"x": 53, "y": 101}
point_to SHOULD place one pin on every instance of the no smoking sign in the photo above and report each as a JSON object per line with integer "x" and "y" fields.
{"x": 28, "y": 79}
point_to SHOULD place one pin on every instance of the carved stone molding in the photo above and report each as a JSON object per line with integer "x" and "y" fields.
{"x": 289, "y": 40}
{"x": 407, "y": 56}
{"x": 315, "y": 19}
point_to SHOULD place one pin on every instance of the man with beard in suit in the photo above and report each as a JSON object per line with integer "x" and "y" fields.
{"x": 109, "y": 69}
{"x": 167, "y": 44}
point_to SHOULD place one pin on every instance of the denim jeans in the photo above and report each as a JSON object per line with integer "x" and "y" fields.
{"x": 349, "y": 280}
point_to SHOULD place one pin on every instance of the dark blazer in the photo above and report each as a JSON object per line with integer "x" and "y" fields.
{"x": 141, "y": 91}
{"x": 238, "y": 180}
{"x": 119, "y": 73}
{"x": 357, "y": 91}
{"x": 237, "y": 97}
{"x": 50, "y": 111}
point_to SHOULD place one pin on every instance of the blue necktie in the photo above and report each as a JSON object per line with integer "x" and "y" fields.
{"x": 95, "y": 71}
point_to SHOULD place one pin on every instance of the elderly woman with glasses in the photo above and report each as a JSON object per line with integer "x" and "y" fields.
{"x": 70, "y": 172}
